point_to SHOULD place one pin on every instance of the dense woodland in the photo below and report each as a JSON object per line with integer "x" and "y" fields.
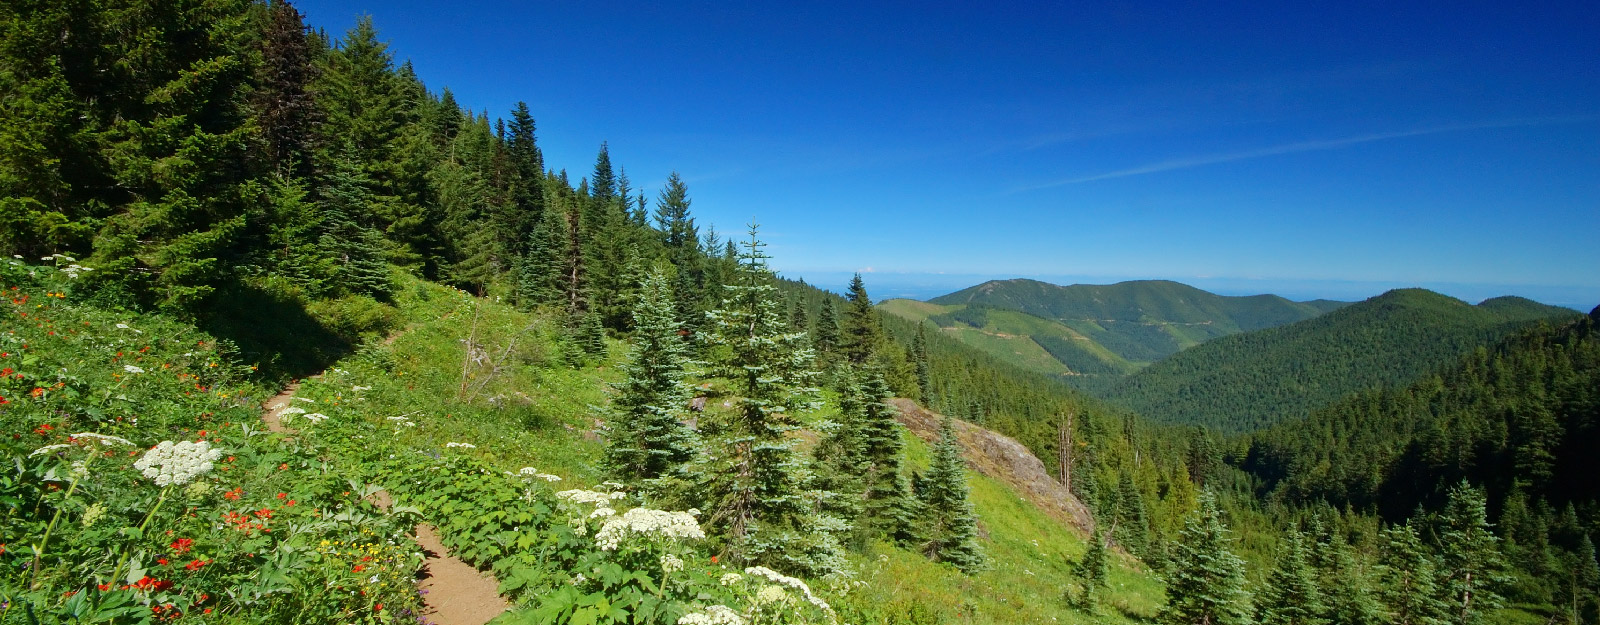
{"x": 217, "y": 162}
{"x": 1253, "y": 380}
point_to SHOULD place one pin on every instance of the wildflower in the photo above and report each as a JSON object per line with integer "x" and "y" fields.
{"x": 524, "y": 470}
{"x": 790, "y": 582}
{"x": 195, "y": 565}
{"x": 771, "y": 594}
{"x": 602, "y": 512}
{"x": 177, "y": 463}
{"x": 182, "y": 545}
{"x": 316, "y": 417}
{"x": 649, "y": 523}
{"x": 122, "y": 326}
{"x": 671, "y": 563}
{"x": 49, "y": 449}
{"x": 729, "y": 579}
{"x": 548, "y": 478}
{"x": 104, "y": 439}
{"x": 461, "y": 445}
{"x": 93, "y": 514}
{"x": 588, "y": 496}
{"x": 292, "y": 410}
{"x": 714, "y": 615}
{"x": 132, "y": 369}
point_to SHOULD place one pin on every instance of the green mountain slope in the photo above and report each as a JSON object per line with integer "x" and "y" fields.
{"x": 1250, "y": 380}
{"x": 1095, "y": 334}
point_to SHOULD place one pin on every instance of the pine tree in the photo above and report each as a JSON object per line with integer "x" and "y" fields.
{"x": 1408, "y": 585}
{"x": 1470, "y": 561}
{"x": 1206, "y": 580}
{"x": 950, "y": 527}
{"x": 1132, "y": 519}
{"x": 1291, "y": 596}
{"x": 681, "y": 239}
{"x": 1091, "y": 571}
{"x": 285, "y": 109}
{"x": 750, "y": 475}
{"x": 526, "y": 208}
{"x": 826, "y": 336}
{"x": 356, "y": 250}
{"x": 919, "y": 356}
{"x": 861, "y": 330}
{"x": 647, "y": 439}
{"x": 592, "y": 335}
{"x": 888, "y": 505}
{"x": 1583, "y": 585}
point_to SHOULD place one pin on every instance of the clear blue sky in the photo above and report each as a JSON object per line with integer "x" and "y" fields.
{"x": 1252, "y": 147}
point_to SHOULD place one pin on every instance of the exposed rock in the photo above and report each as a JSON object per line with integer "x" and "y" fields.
{"x": 1003, "y": 458}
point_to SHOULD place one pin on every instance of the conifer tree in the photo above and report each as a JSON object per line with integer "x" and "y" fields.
{"x": 799, "y": 319}
{"x": 1132, "y": 519}
{"x": 750, "y": 475}
{"x": 285, "y": 110}
{"x": 950, "y": 527}
{"x": 1408, "y": 585}
{"x": 1584, "y": 581}
{"x": 1291, "y": 596}
{"x": 356, "y": 250}
{"x": 1091, "y": 571}
{"x": 1470, "y": 562}
{"x": 861, "y": 330}
{"x": 919, "y": 356}
{"x": 647, "y": 439}
{"x": 592, "y": 335}
{"x": 1206, "y": 580}
{"x": 826, "y": 336}
{"x": 526, "y": 208}
{"x": 888, "y": 501}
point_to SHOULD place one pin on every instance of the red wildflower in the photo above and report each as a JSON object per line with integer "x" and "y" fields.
{"x": 195, "y": 565}
{"x": 235, "y": 493}
{"x": 359, "y": 568}
{"x": 182, "y": 545}
{"x": 161, "y": 561}
{"x": 283, "y": 495}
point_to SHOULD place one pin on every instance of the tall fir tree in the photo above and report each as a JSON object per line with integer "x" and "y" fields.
{"x": 750, "y": 474}
{"x": 861, "y": 330}
{"x": 950, "y": 526}
{"x": 647, "y": 439}
{"x": 1205, "y": 583}
{"x": 919, "y": 357}
{"x": 889, "y": 505}
{"x": 1091, "y": 571}
{"x": 525, "y": 208}
{"x": 1471, "y": 567}
{"x": 356, "y": 249}
{"x": 1407, "y": 582}
{"x": 826, "y": 335}
{"x": 1292, "y": 596}
{"x": 286, "y": 112}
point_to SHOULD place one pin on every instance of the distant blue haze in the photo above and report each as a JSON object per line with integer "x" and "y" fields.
{"x": 1331, "y": 150}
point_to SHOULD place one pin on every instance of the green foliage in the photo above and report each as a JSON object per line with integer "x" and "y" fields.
{"x": 1139, "y": 321}
{"x": 1292, "y": 596}
{"x": 1253, "y": 380}
{"x": 1091, "y": 571}
{"x": 646, "y": 439}
{"x": 949, "y": 526}
{"x": 1206, "y": 581}
{"x": 1470, "y": 564}
{"x": 1407, "y": 581}
{"x": 861, "y": 333}
{"x": 751, "y": 483}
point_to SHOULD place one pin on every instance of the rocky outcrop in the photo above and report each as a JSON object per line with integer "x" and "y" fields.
{"x": 1002, "y": 458}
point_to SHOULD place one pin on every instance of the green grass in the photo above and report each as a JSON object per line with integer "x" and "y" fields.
{"x": 1030, "y": 557}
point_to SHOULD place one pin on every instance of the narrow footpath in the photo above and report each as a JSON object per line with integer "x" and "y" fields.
{"x": 453, "y": 592}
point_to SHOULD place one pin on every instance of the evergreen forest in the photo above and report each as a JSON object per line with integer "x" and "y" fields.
{"x": 286, "y": 330}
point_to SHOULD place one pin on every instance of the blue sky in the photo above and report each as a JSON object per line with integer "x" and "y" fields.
{"x": 1331, "y": 151}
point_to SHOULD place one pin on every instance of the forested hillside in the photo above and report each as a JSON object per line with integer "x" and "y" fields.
{"x": 1140, "y": 321}
{"x": 1256, "y": 379}
{"x": 1521, "y": 418}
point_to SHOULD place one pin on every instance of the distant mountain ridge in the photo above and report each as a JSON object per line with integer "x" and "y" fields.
{"x": 1093, "y": 335}
{"x": 1255, "y": 379}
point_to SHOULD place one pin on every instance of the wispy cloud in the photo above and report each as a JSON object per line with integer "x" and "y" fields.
{"x": 1304, "y": 146}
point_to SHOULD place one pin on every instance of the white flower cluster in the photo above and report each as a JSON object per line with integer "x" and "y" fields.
{"x": 132, "y": 369}
{"x": 729, "y": 579}
{"x": 602, "y": 512}
{"x": 790, "y": 582}
{"x": 103, "y": 439}
{"x": 593, "y": 498}
{"x": 405, "y": 421}
{"x": 461, "y": 445}
{"x": 532, "y": 472}
{"x": 292, "y": 410}
{"x": 714, "y": 615}
{"x": 177, "y": 463}
{"x": 649, "y": 523}
{"x": 671, "y": 563}
{"x": 316, "y": 417}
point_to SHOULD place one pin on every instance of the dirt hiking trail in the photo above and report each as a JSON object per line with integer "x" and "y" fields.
{"x": 453, "y": 592}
